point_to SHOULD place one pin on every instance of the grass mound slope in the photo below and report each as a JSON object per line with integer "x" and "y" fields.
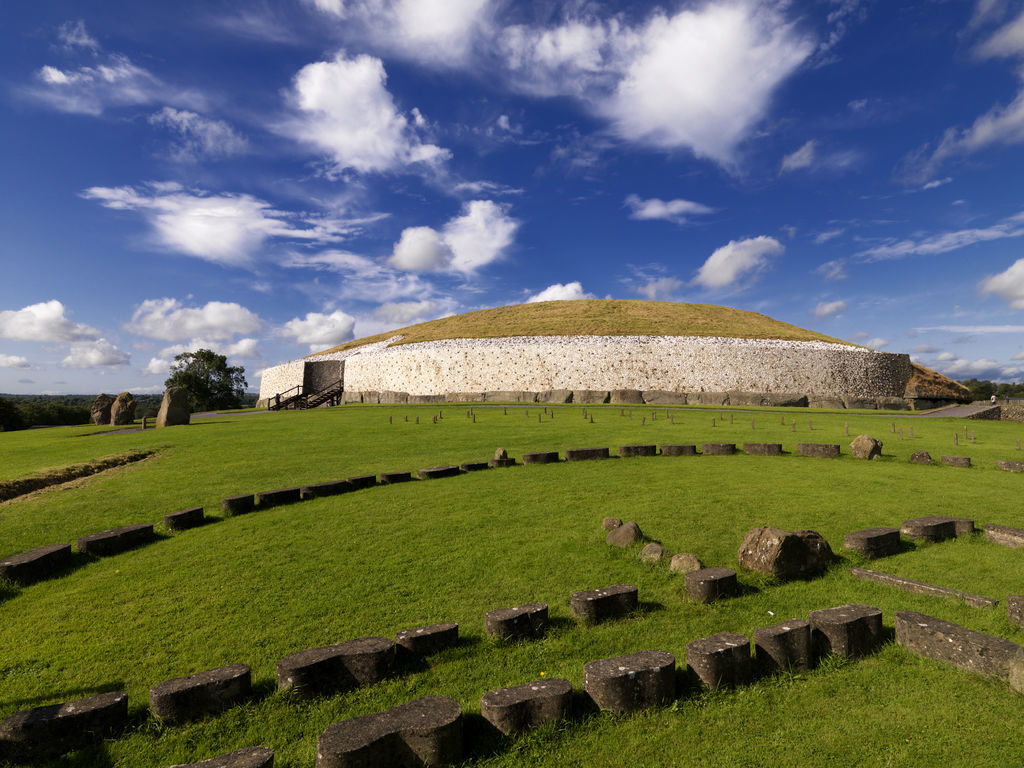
{"x": 598, "y": 317}
{"x": 932, "y": 385}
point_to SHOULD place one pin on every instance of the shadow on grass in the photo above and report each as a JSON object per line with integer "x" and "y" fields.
{"x": 7, "y": 590}
{"x": 96, "y": 756}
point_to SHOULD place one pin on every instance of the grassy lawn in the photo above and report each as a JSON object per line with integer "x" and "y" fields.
{"x": 254, "y": 588}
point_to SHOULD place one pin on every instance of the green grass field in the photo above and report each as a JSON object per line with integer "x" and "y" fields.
{"x": 255, "y": 588}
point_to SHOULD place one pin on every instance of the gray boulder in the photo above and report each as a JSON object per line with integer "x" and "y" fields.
{"x": 785, "y": 554}
{"x": 123, "y": 410}
{"x": 175, "y": 408}
{"x": 626, "y": 534}
{"x": 920, "y": 457}
{"x": 611, "y": 523}
{"x": 653, "y": 553}
{"x": 684, "y": 562}
{"x": 866, "y": 447}
{"x": 100, "y": 412}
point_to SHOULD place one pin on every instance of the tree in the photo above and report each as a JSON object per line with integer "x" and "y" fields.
{"x": 211, "y": 383}
{"x": 10, "y": 417}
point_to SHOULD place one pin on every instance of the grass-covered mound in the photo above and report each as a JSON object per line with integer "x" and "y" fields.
{"x": 255, "y": 588}
{"x": 598, "y": 317}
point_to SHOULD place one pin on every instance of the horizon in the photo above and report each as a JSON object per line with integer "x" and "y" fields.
{"x": 270, "y": 181}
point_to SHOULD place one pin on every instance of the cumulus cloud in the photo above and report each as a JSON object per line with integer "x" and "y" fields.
{"x": 319, "y": 331}
{"x": 480, "y": 235}
{"x": 944, "y": 356}
{"x": 343, "y": 109}
{"x": 668, "y": 210}
{"x": 659, "y": 288}
{"x": 829, "y": 308}
{"x": 984, "y": 368}
{"x": 94, "y": 354}
{"x": 558, "y": 292}
{"x": 737, "y": 259}
{"x": 421, "y": 249}
{"x": 1008, "y": 285}
{"x": 198, "y": 136}
{"x": 227, "y": 229}
{"x": 13, "y": 361}
{"x": 169, "y": 320}
{"x": 876, "y": 343}
{"x": 43, "y": 322}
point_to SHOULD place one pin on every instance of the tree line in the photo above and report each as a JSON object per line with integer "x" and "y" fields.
{"x": 982, "y": 389}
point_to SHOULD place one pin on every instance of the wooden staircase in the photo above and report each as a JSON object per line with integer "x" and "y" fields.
{"x": 298, "y": 400}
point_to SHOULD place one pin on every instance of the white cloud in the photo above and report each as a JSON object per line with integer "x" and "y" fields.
{"x": 43, "y": 322}
{"x": 669, "y": 210}
{"x": 199, "y": 136}
{"x": 13, "y": 361}
{"x": 829, "y": 308}
{"x": 480, "y": 235}
{"x": 926, "y": 349}
{"x": 1008, "y": 285}
{"x": 318, "y": 330}
{"x": 421, "y": 249}
{"x": 876, "y": 343}
{"x": 659, "y": 288}
{"x": 984, "y": 368}
{"x": 1007, "y": 41}
{"x": 403, "y": 313}
{"x": 808, "y": 157}
{"x": 227, "y": 229}
{"x": 243, "y": 349}
{"x": 736, "y": 259}
{"x": 74, "y": 35}
{"x": 801, "y": 158}
{"x": 944, "y": 356}
{"x": 558, "y": 292}
{"x": 342, "y": 108}
{"x": 362, "y": 277}
{"x": 1018, "y": 356}
{"x": 167, "y": 319}
{"x": 945, "y": 242}
{"x": 94, "y": 354}
{"x": 937, "y": 183}
{"x": 974, "y": 328}
{"x": 824, "y": 237}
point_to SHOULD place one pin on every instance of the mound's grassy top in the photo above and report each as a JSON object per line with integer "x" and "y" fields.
{"x": 931, "y": 384}
{"x": 599, "y": 317}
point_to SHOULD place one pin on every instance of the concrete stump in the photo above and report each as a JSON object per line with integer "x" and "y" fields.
{"x": 625, "y": 684}
{"x": 424, "y": 641}
{"x": 434, "y": 473}
{"x": 188, "y": 698}
{"x": 720, "y": 660}
{"x": 929, "y": 528}
{"x": 585, "y": 454}
{"x": 474, "y": 466}
{"x": 684, "y": 562}
{"x": 1008, "y": 537}
{"x": 965, "y": 649}
{"x": 957, "y": 461}
{"x": 874, "y": 542}
{"x": 317, "y": 671}
{"x": 624, "y": 535}
{"x": 184, "y": 519}
{"x": 359, "y": 482}
{"x": 117, "y": 540}
{"x": 36, "y": 564}
{"x": 679, "y": 450}
{"x": 238, "y": 505}
{"x": 521, "y": 707}
{"x": 330, "y": 488}
{"x": 718, "y": 449}
{"x": 278, "y": 498}
{"x": 849, "y": 630}
{"x": 710, "y": 584}
{"x": 45, "y": 733}
{"x": 515, "y": 623}
{"x": 544, "y": 457}
{"x": 1010, "y": 466}
{"x": 763, "y": 449}
{"x": 390, "y": 478}
{"x": 595, "y": 605}
{"x": 249, "y": 757}
{"x": 818, "y": 450}
{"x": 783, "y": 647}
{"x": 425, "y": 731}
{"x": 638, "y": 450}
{"x": 1015, "y": 609}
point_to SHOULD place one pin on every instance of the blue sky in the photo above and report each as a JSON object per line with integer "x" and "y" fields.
{"x": 270, "y": 178}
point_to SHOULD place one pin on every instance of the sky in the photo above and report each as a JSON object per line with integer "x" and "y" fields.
{"x": 270, "y": 178}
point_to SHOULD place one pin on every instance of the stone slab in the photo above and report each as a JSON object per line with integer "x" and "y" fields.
{"x": 964, "y": 648}
{"x": 530, "y": 705}
{"x": 1010, "y": 466}
{"x": 763, "y": 449}
{"x": 359, "y": 482}
{"x": 36, "y": 564}
{"x": 874, "y": 542}
{"x": 516, "y": 623}
{"x": 679, "y": 450}
{"x": 185, "y": 519}
{"x": 1015, "y": 610}
{"x": 664, "y": 397}
{"x": 330, "y": 488}
{"x": 638, "y": 450}
{"x": 589, "y": 396}
{"x": 248, "y": 757}
{"x": 214, "y": 690}
{"x": 319, "y": 671}
{"x": 719, "y": 660}
{"x": 435, "y": 473}
{"x": 112, "y": 542}
{"x": 1008, "y": 537}
{"x": 596, "y": 605}
{"x": 920, "y": 588}
{"x": 818, "y": 450}
{"x": 542, "y": 457}
{"x": 625, "y": 684}
{"x": 710, "y": 584}
{"x": 957, "y": 461}
{"x": 585, "y": 454}
{"x": 626, "y": 397}
{"x": 390, "y": 478}
{"x": 783, "y": 647}
{"x": 474, "y": 466}
{"x": 848, "y": 630}
{"x": 278, "y": 498}
{"x": 424, "y": 641}
{"x": 238, "y": 505}
{"x": 929, "y": 528}
{"x": 555, "y": 396}
{"x": 425, "y": 731}
{"x": 718, "y": 449}
{"x": 510, "y": 396}
{"x": 44, "y": 733}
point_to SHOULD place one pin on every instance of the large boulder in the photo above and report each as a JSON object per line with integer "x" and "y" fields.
{"x": 866, "y": 447}
{"x": 625, "y": 535}
{"x": 123, "y": 409}
{"x": 785, "y": 554}
{"x": 175, "y": 408}
{"x": 100, "y": 412}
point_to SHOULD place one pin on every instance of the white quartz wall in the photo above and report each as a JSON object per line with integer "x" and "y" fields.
{"x": 281, "y": 378}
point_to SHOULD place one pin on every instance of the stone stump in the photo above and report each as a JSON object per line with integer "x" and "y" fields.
{"x": 330, "y": 488}
{"x": 317, "y": 671}
{"x": 585, "y": 454}
{"x": 957, "y": 461}
{"x": 425, "y": 641}
{"x": 849, "y": 630}
{"x": 783, "y": 647}
{"x": 359, "y": 482}
{"x": 248, "y": 757}
{"x": 390, "y": 478}
{"x": 542, "y": 457}
{"x": 187, "y": 698}
{"x": 818, "y": 450}
{"x": 474, "y": 466}
{"x": 106, "y": 543}
{"x": 710, "y": 584}
{"x": 638, "y": 450}
{"x": 595, "y": 605}
{"x": 719, "y": 660}
{"x": 238, "y": 505}
{"x": 175, "y": 408}
{"x": 679, "y": 450}
{"x": 123, "y": 409}
{"x": 516, "y": 623}
{"x": 267, "y": 499}
{"x": 874, "y": 542}
{"x": 718, "y": 449}
{"x": 433, "y": 473}
{"x": 785, "y": 554}
{"x": 37, "y": 564}
{"x": 99, "y": 413}
{"x": 625, "y": 684}
{"x": 929, "y": 528}
{"x": 521, "y": 707}
{"x": 44, "y": 733}
{"x": 184, "y": 519}
{"x": 763, "y": 449}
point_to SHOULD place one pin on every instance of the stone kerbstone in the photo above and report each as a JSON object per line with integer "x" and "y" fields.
{"x": 317, "y": 671}
{"x": 122, "y": 411}
{"x": 474, "y": 466}
{"x": 36, "y": 564}
{"x": 588, "y": 396}
{"x": 848, "y": 630}
{"x": 763, "y": 449}
{"x": 625, "y": 684}
{"x": 99, "y": 414}
{"x": 117, "y": 540}
{"x": 718, "y": 449}
{"x": 828, "y": 403}
{"x": 783, "y": 647}
{"x": 555, "y": 396}
{"x": 818, "y": 450}
{"x": 679, "y": 450}
{"x": 966, "y": 649}
{"x": 626, "y": 397}
{"x": 585, "y": 454}
{"x": 425, "y": 641}
{"x": 248, "y": 757}
{"x": 866, "y": 447}
{"x": 864, "y": 403}
{"x": 390, "y": 397}
{"x": 720, "y": 660}
{"x": 684, "y": 562}
{"x": 44, "y": 733}
{"x": 425, "y": 731}
{"x": 595, "y": 605}
{"x": 707, "y": 398}
{"x": 1015, "y": 609}
{"x": 921, "y": 588}
{"x": 1010, "y": 466}
{"x": 510, "y": 396}
{"x": 175, "y": 408}
{"x": 1008, "y": 537}
{"x": 542, "y": 457}
{"x": 710, "y": 584}
{"x": 464, "y": 397}
{"x": 957, "y": 461}
{"x": 964, "y": 526}
{"x": 278, "y": 498}
{"x": 1016, "y": 678}
{"x": 390, "y": 478}
{"x": 785, "y": 554}
{"x": 526, "y": 706}
{"x": 920, "y": 457}
{"x": 638, "y": 450}
{"x": 359, "y": 482}
{"x": 238, "y": 505}
{"x": 502, "y": 463}
{"x": 610, "y": 523}
{"x": 330, "y": 488}
{"x": 434, "y": 473}
{"x": 425, "y": 399}
{"x": 874, "y": 542}
{"x": 664, "y": 397}
{"x": 187, "y": 698}
{"x": 929, "y": 528}
{"x": 184, "y": 519}
{"x": 625, "y": 535}
{"x": 515, "y": 623}
{"x": 653, "y": 553}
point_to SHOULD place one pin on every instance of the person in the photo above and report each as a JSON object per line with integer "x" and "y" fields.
{"x": 993, "y": 399}
{"x": 277, "y": 401}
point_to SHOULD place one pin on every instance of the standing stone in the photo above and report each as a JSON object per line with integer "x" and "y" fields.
{"x": 866, "y": 447}
{"x": 175, "y": 408}
{"x": 123, "y": 410}
{"x": 785, "y": 554}
{"x": 100, "y": 412}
